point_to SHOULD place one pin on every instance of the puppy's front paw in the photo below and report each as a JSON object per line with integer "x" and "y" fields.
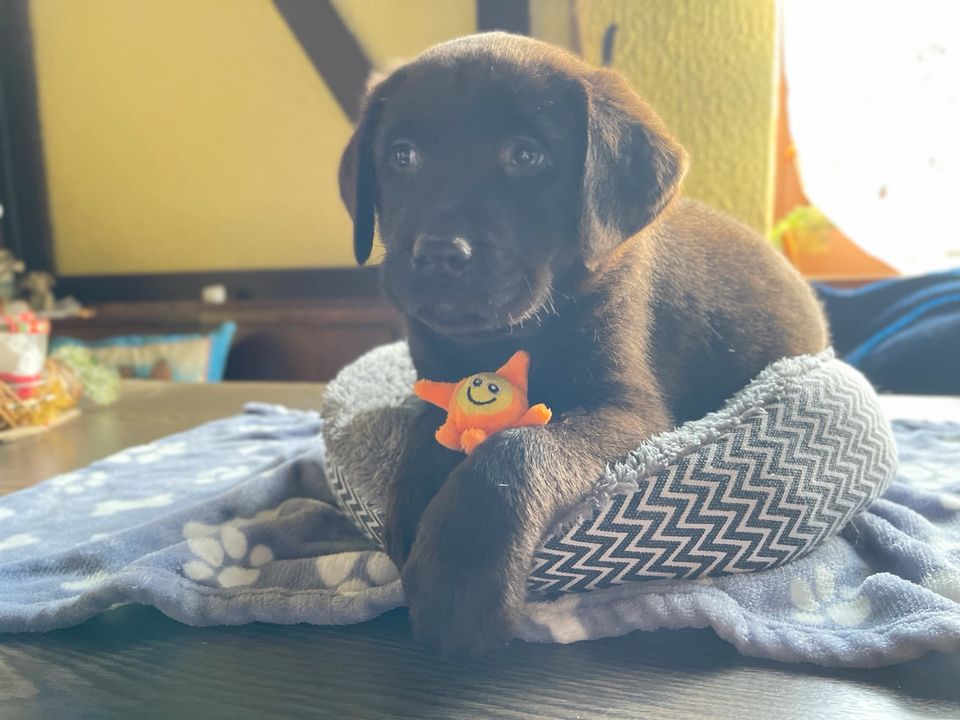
{"x": 464, "y": 578}
{"x": 460, "y": 611}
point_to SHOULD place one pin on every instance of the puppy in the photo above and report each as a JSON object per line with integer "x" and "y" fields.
{"x": 528, "y": 200}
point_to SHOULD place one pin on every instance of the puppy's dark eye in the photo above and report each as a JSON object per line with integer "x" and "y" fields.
{"x": 477, "y": 382}
{"x": 523, "y": 156}
{"x": 494, "y": 388}
{"x": 403, "y": 156}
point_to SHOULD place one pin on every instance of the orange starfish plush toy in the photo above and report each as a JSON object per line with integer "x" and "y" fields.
{"x": 484, "y": 403}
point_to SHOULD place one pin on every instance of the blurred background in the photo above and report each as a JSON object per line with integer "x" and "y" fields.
{"x": 171, "y": 166}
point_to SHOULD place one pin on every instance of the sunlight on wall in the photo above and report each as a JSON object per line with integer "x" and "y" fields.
{"x": 898, "y": 66}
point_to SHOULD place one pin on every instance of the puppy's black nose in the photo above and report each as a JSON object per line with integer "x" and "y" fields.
{"x": 441, "y": 253}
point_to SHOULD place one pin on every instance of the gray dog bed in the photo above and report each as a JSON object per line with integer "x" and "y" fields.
{"x": 782, "y": 467}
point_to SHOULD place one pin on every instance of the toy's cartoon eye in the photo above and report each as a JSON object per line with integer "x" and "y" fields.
{"x": 477, "y": 382}
{"x": 494, "y": 388}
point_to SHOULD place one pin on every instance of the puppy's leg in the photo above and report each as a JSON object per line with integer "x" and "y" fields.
{"x": 423, "y": 467}
{"x": 465, "y": 577}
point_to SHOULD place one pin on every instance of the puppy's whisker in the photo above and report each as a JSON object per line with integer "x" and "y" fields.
{"x": 553, "y": 308}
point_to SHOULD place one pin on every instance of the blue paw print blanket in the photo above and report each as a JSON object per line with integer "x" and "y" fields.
{"x": 234, "y": 522}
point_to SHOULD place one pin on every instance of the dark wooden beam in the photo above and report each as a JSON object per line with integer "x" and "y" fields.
{"x": 509, "y": 15}
{"x": 331, "y": 47}
{"x": 27, "y": 223}
{"x": 241, "y": 285}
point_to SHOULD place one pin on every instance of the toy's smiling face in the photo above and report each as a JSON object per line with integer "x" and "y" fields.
{"x": 484, "y": 394}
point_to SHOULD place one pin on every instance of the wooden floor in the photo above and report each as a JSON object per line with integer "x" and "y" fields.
{"x": 133, "y": 662}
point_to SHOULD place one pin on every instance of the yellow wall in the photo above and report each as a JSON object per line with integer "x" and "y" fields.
{"x": 192, "y": 135}
{"x": 196, "y": 135}
{"x": 709, "y": 67}
{"x": 185, "y": 135}
{"x": 397, "y": 30}
{"x": 550, "y": 21}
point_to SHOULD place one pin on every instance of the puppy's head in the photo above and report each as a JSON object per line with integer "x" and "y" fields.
{"x": 495, "y": 165}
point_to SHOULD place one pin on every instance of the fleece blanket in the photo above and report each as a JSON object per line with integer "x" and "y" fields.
{"x": 234, "y": 522}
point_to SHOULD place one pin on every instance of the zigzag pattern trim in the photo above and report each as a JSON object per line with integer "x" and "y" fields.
{"x": 767, "y": 492}
{"x": 363, "y": 517}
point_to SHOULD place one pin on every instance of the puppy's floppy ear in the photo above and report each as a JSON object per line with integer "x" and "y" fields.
{"x": 632, "y": 169}
{"x": 358, "y": 188}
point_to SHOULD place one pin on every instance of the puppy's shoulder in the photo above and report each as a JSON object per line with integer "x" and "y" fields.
{"x": 700, "y": 242}
{"x": 694, "y": 223}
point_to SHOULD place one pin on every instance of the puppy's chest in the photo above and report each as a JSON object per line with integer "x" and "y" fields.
{"x": 563, "y": 382}
{"x": 567, "y": 372}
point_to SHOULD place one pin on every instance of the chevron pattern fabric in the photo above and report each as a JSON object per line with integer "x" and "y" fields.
{"x": 765, "y": 492}
{"x": 367, "y": 520}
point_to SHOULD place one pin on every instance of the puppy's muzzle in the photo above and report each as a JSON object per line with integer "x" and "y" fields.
{"x": 445, "y": 254}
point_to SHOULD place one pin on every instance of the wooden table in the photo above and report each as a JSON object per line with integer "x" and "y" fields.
{"x": 133, "y": 662}
{"x": 147, "y": 410}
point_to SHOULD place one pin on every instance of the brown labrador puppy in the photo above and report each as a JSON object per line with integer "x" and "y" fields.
{"x": 528, "y": 200}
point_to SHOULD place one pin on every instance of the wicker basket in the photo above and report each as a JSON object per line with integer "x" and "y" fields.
{"x": 59, "y": 391}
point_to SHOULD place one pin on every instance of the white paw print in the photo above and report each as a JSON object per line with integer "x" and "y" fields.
{"x": 225, "y": 556}
{"x": 933, "y": 478}
{"x": 75, "y": 483}
{"x": 927, "y": 475}
{"x": 221, "y": 474}
{"x": 258, "y": 429}
{"x": 825, "y": 601}
{"x": 945, "y": 583}
{"x": 950, "y": 501}
{"x": 350, "y": 573}
{"x": 150, "y": 453}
